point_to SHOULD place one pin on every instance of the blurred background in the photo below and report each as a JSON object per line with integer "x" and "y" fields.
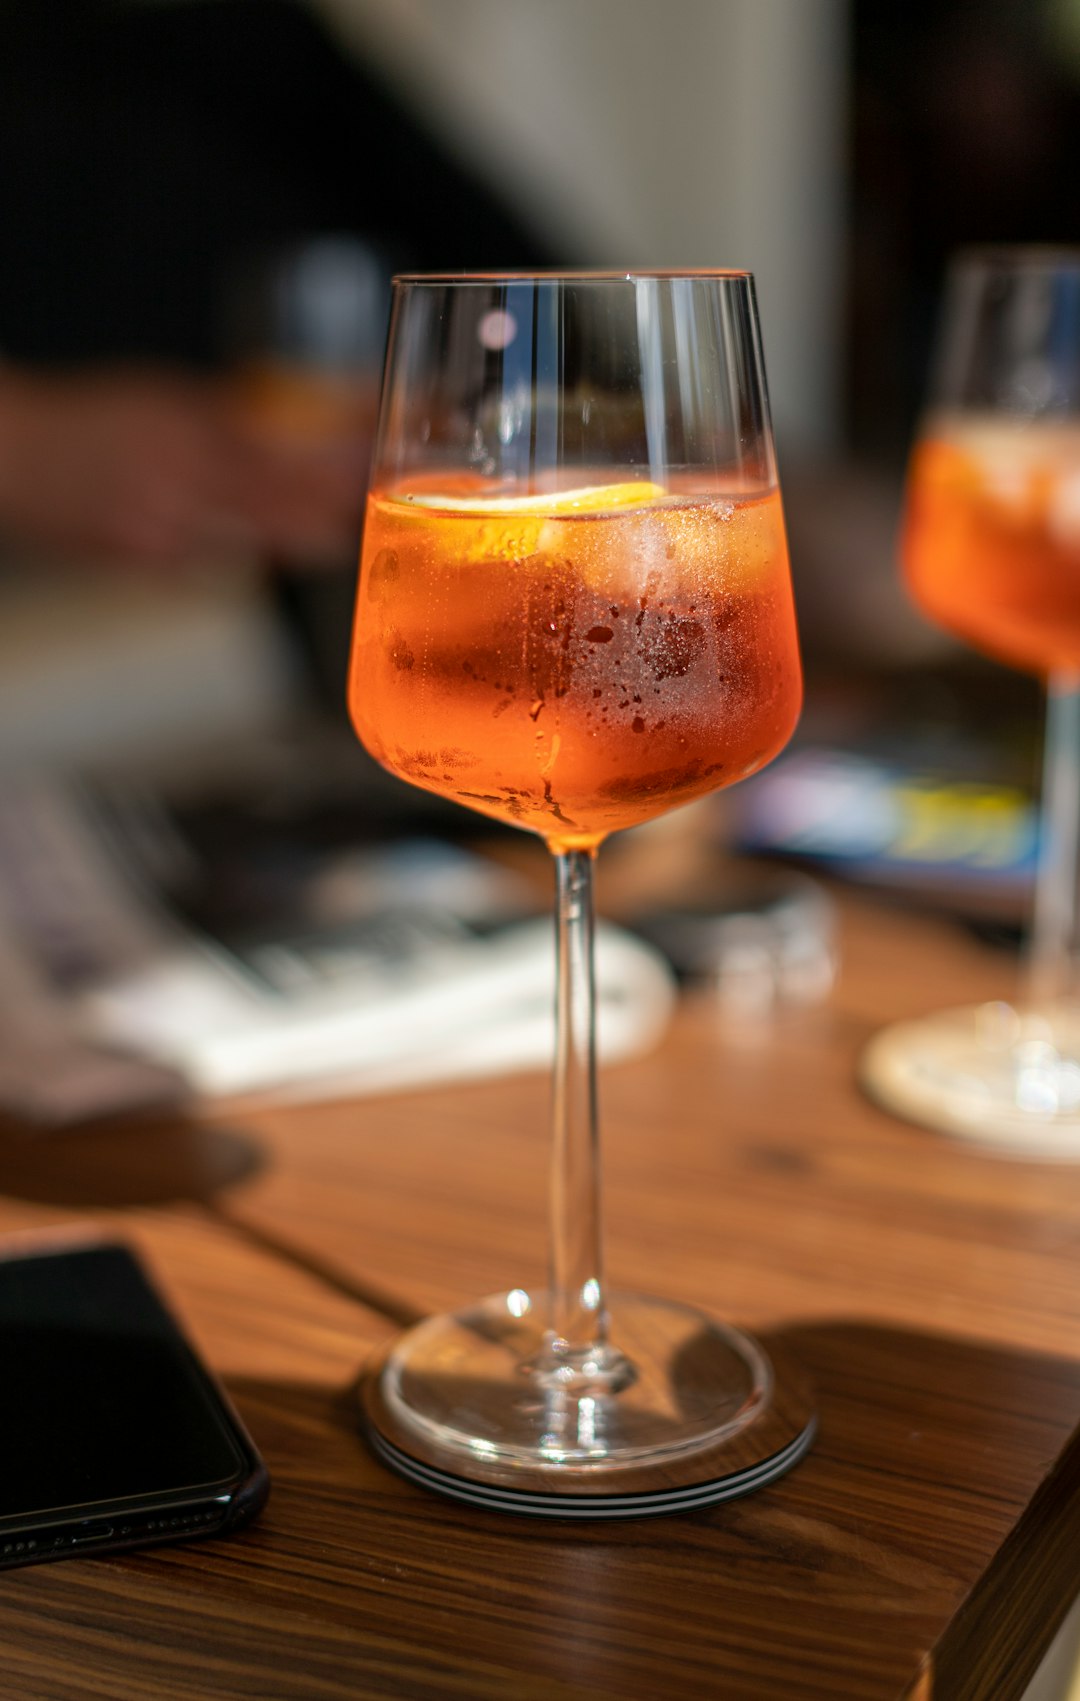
{"x": 201, "y": 203}
{"x": 162, "y": 156}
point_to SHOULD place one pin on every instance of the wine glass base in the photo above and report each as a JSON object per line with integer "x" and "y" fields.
{"x": 1006, "y": 1079}
{"x": 469, "y": 1406}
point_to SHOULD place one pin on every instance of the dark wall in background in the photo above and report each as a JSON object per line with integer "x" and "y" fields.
{"x": 965, "y": 129}
{"x": 144, "y": 147}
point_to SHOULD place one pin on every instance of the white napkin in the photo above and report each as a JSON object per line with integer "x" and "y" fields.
{"x": 470, "y": 1008}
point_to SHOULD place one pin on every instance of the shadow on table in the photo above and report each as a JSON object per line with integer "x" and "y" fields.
{"x": 170, "y": 1163}
{"x": 128, "y": 1165}
{"x": 929, "y": 1421}
{"x": 937, "y": 1510}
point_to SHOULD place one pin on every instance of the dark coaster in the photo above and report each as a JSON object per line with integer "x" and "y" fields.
{"x": 646, "y": 1504}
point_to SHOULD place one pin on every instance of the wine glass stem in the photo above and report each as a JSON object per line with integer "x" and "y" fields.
{"x": 1055, "y": 936}
{"x": 578, "y": 1320}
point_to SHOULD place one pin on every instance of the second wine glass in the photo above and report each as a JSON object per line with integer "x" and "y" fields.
{"x": 991, "y": 550}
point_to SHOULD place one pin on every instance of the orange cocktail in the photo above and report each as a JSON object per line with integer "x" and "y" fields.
{"x": 574, "y": 662}
{"x": 991, "y": 543}
{"x": 574, "y": 614}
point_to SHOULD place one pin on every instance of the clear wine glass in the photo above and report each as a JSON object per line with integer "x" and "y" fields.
{"x": 574, "y": 613}
{"x": 991, "y": 550}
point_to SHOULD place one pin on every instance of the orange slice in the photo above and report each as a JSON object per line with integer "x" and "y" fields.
{"x": 508, "y": 528}
{"x": 588, "y": 499}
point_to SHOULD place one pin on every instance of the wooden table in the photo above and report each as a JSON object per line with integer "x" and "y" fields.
{"x": 928, "y": 1545}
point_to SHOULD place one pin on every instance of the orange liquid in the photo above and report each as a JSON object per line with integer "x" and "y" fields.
{"x": 991, "y": 539}
{"x": 574, "y": 673}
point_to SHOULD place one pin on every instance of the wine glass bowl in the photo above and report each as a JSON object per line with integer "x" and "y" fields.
{"x": 574, "y": 613}
{"x": 605, "y": 646}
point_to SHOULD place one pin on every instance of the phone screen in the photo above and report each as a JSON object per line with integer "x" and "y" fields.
{"x": 102, "y": 1402}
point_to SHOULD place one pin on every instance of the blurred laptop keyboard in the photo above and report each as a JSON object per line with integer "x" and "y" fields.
{"x": 138, "y": 969}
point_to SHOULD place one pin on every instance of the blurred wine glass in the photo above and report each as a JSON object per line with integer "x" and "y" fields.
{"x": 991, "y": 551}
{"x": 304, "y": 327}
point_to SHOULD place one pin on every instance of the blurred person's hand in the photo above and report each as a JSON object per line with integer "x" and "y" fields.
{"x": 156, "y": 468}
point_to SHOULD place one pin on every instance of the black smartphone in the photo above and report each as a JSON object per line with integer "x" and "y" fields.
{"x": 112, "y": 1433}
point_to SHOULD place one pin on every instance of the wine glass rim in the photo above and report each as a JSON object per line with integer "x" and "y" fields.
{"x": 556, "y": 275}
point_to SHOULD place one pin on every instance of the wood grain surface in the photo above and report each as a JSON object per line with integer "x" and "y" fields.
{"x": 928, "y": 1545}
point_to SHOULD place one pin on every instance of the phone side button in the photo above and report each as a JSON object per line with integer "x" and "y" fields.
{"x": 99, "y": 1533}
